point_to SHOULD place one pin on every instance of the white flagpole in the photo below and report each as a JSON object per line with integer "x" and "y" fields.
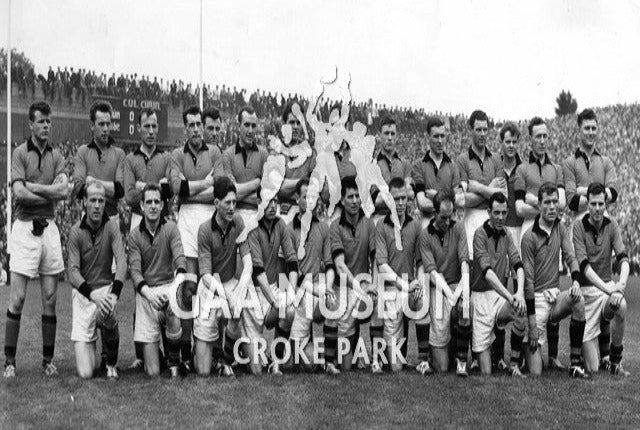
{"x": 201, "y": 85}
{"x": 8, "y": 220}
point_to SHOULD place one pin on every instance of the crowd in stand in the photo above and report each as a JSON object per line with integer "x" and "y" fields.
{"x": 620, "y": 128}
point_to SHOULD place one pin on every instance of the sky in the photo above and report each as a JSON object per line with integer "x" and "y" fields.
{"x": 509, "y": 58}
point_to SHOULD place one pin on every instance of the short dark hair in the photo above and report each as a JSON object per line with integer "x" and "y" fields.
{"x": 547, "y": 188}
{"x": 348, "y": 182}
{"x": 42, "y": 107}
{"x": 441, "y": 197}
{"x": 596, "y": 188}
{"x": 586, "y": 114}
{"x": 387, "y": 120}
{"x": 434, "y": 122}
{"x": 248, "y": 109}
{"x": 147, "y": 113}
{"x": 212, "y": 113}
{"x": 496, "y": 198}
{"x": 396, "y": 183}
{"x": 100, "y": 106}
{"x": 477, "y": 115}
{"x": 536, "y": 120}
{"x": 304, "y": 182}
{"x": 511, "y": 128}
{"x": 222, "y": 186}
{"x": 191, "y": 110}
{"x": 151, "y": 186}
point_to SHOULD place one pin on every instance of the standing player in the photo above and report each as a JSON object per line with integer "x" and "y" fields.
{"x": 529, "y": 176}
{"x": 435, "y": 172}
{"x": 317, "y": 258}
{"x": 243, "y": 163}
{"x": 193, "y": 168}
{"x": 100, "y": 159}
{"x": 595, "y": 237}
{"x": 445, "y": 257}
{"x": 399, "y": 266}
{"x": 265, "y": 242}
{"x": 155, "y": 251}
{"x": 352, "y": 251}
{"x": 541, "y": 246}
{"x": 480, "y": 176}
{"x": 584, "y": 167}
{"x": 147, "y": 164}
{"x": 495, "y": 254}
{"x": 287, "y": 206}
{"x": 217, "y": 250}
{"x": 39, "y": 179}
{"x": 509, "y": 160}
{"x": 94, "y": 242}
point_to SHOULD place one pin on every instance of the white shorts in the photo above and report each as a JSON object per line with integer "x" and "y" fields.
{"x": 135, "y": 221}
{"x": 190, "y": 217}
{"x": 149, "y": 320}
{"x": 543, "y": 312}
{"x": 253, "y": 319}
{"x": 302, "y": 325}
{"x": 32, "y": 255}
{"x": 86, "y": 318}
{"x": 207, "y": 324}
{"x": 594, "y": 304}
{"x": 473, "y": 218}
{"x": 395, "y": 312}
{"x": 486, "y": 306}
{"x": 440, "y": 312}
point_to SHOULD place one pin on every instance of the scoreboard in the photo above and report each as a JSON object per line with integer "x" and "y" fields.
{"x": 124, "y": 121}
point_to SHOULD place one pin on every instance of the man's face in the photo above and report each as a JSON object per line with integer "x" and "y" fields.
{"x": 351, "y": 201}
{"x": 539, "y": 139}
{"x": 596, "y": 206}
{"x": 226, "y": 207}
{"x": 212, "y": 130}
{"x": 270, "y": 210}
{"x": 589, "y": 132}
{"x": 437, "y": 136}
{"x": 40, "y": 126}
{"x": 94, "y": 202}
{"x": 101, "y": 127}
{"x": 297, "y": 132}
{"x": 509, "y": 145}
{"x": 498, "y": 214}
{"x": 389, "y": 137}
{"x": 148, "y": 130}
{"x": 193, "y": 130}
{"x": 400, "y": 197}
{"x": 302, "y": 199}
{"x": 443, "y": 217}
{"x": 151, "y": 206}
{"x": 479, "y": 132}
{"x": 549, "y": 207}
{"x": 248, "y": 129}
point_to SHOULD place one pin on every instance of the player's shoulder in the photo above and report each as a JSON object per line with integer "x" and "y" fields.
{"x": 75, "y": 228}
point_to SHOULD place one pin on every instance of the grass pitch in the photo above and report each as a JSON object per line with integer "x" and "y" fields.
{"x": 356, "y": 400}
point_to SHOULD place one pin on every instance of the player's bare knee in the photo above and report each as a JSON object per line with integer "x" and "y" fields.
{"x": 622, "y": 308}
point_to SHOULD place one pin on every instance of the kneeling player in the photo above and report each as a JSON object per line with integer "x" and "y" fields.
{"x": 494, "y": 254}
{"x": 317, "y": 254}
{"x": 541, "y": 247}
{"x": 445, "y": 257}
{"x": 155, "y": 250}
{"x": 398, "y": 266}
{"x": 265, "y": 242}
{"x": 595, "y": 236}
{"x": 93, "y": 244}
{"x": 217, "y": 250}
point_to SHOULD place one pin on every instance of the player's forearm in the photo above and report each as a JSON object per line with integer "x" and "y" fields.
{"x": 288, "y": 188}
{"x": 204, "y": 196}
{"x": 595, "y": 280}
{"x": 26, "y": 197}
{"x": 246, "y": 189}
{"x": 390, "y": 274}
{"x": 424, "y": 204}
{"x": 438, "y": 278}
{"x": 344, "y": 270}
{"x": 471, "y": 200}
{"x": 624, "y": 273}
{"x": 495, "y": 283}
{"x": 54, "y": 191}
{"x": 196, "y": 187}
{"x": 525, "y": 210}
{"x": 263, "y": 284}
